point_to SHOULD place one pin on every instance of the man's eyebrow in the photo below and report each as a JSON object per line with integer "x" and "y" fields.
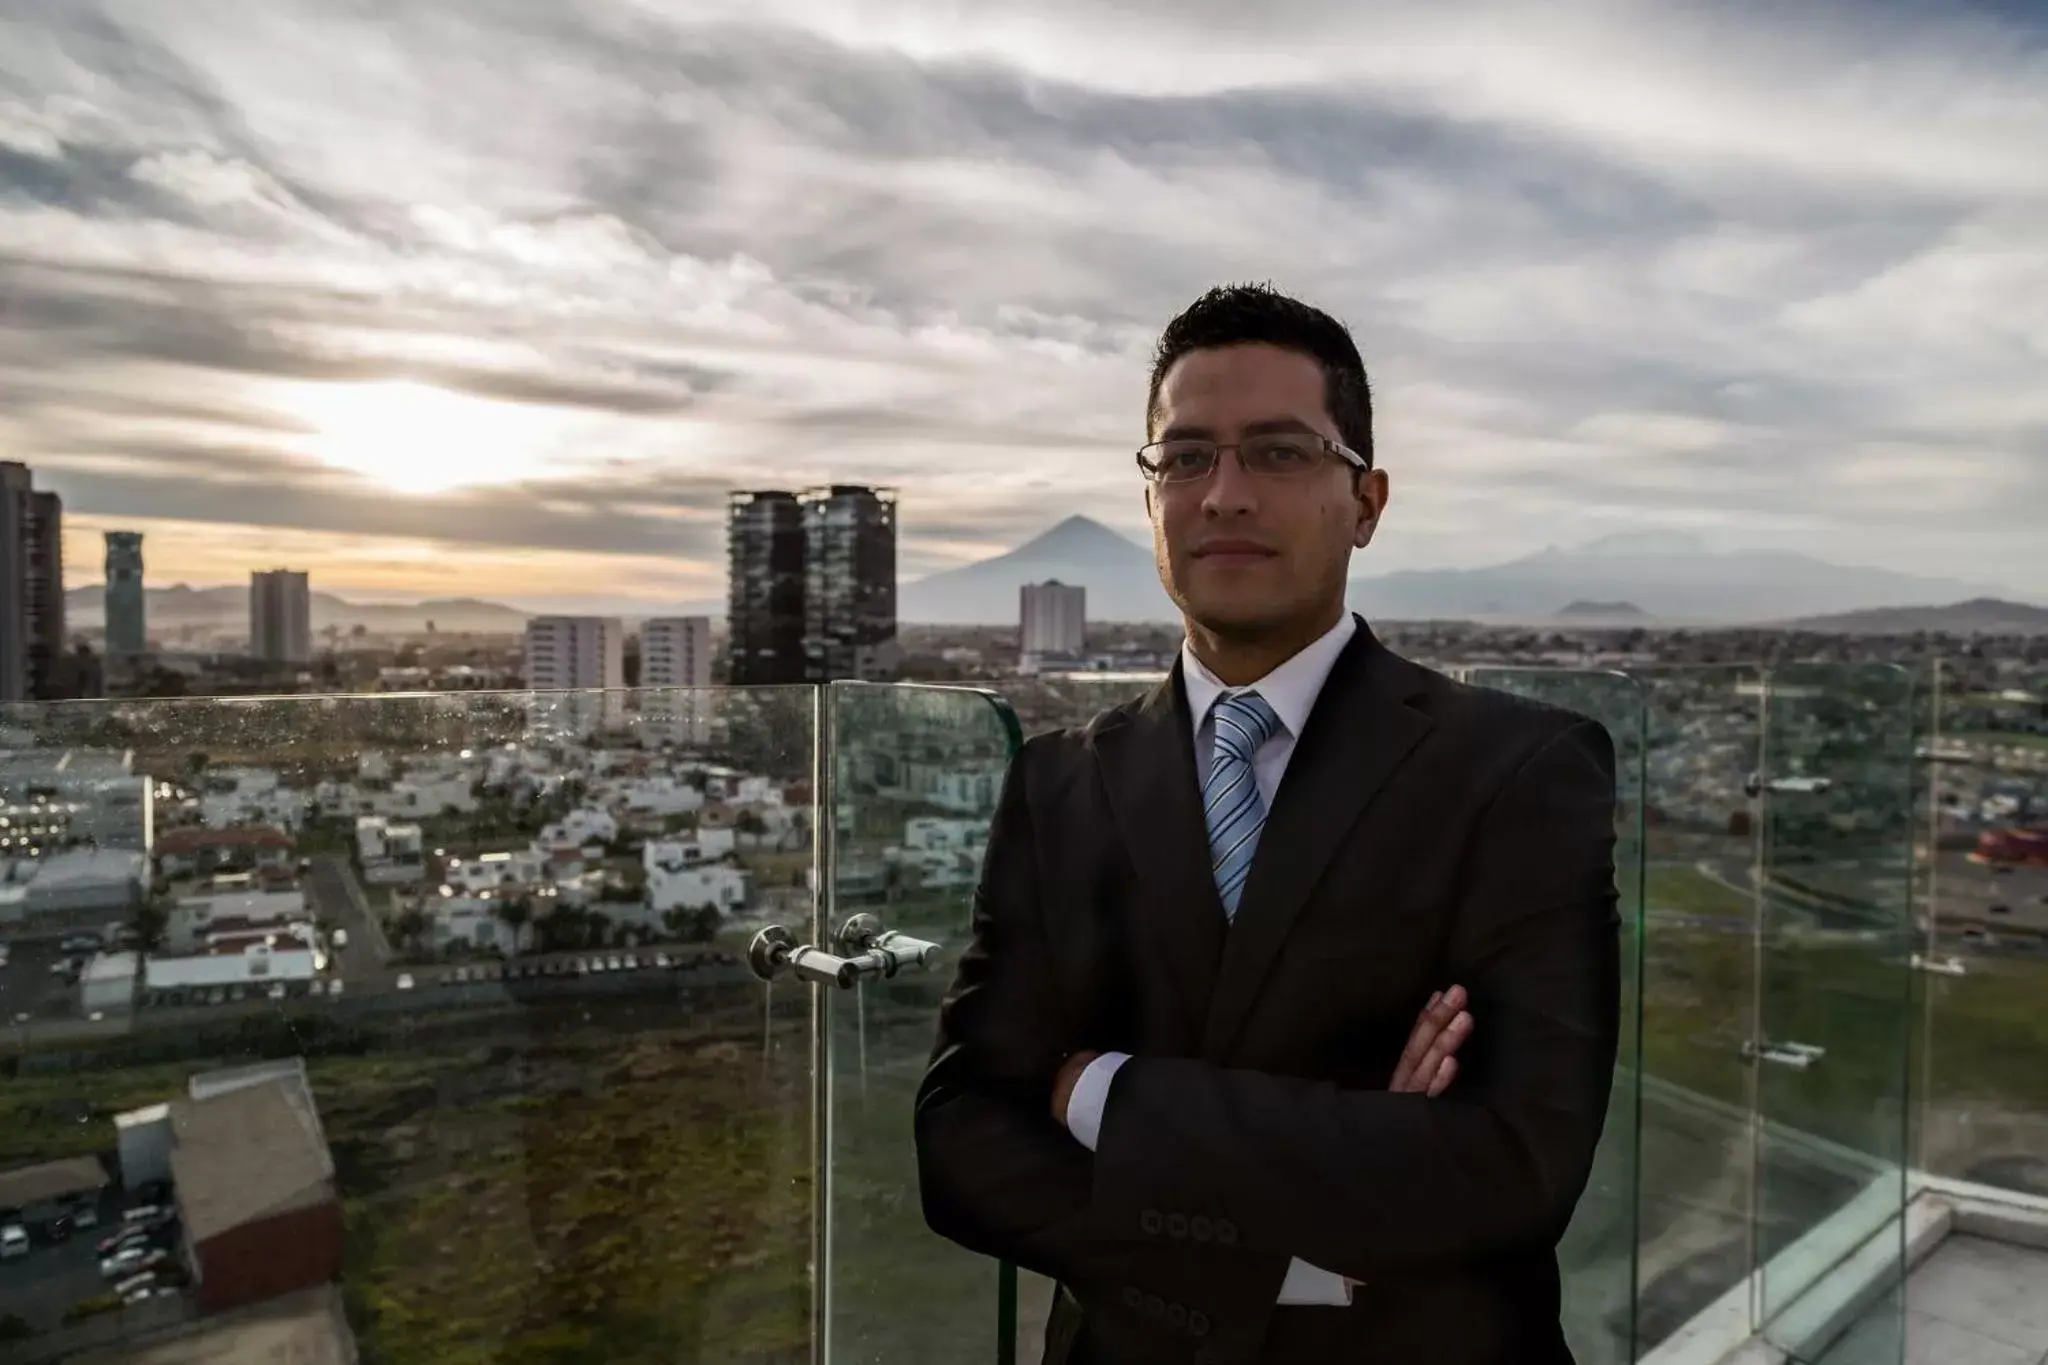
{"x": 1271, "y": 426}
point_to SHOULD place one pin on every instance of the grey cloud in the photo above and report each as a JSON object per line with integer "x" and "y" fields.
{"x": 184, "y": 482}
{"x": 1430, "y": 232}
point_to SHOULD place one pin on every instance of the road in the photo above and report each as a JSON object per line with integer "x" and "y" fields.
{"x": 337, "y": 899}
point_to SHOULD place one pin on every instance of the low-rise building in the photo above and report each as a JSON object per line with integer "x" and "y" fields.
{"x": 581, "y": 827}
{"x": 256, "y": 1192}
{"x": 391, "y": 852}
{"x": 107, "y": 985}
{"x": 197, "y": 852}
{"x": 674, "y": 884}
{"x": 232, "y": 798}
{"x": 472, "y": 922}
{"x": 286, "y": 956}
{"x": 490, "y": 871}
{"x": 199, "y": 921}
{"x": 78, "y": 888}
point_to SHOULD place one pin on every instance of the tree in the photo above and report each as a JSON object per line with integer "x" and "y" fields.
{"x": 410, "y": 926}
{"x": 152, "y": 917}
{"x": 704, "y": 924}
{"x": 516, "y": 914}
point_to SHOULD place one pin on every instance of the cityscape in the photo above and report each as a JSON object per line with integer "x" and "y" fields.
{"x": 531, "y": 535}
{"x": 271, "y": 885}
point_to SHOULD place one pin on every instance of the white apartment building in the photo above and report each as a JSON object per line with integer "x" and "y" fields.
{"x": 675, "y": 651}
{"x": 280, "y": 617}
{"x": 676, "y": 703}
{"x": 577, "y": 654}
{"x": 1052, "y": 621}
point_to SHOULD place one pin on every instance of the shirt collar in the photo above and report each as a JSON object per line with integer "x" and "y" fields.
{"x": 1291, "y": 689}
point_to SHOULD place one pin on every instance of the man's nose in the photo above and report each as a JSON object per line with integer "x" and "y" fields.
{"x": 1231, "y": 491}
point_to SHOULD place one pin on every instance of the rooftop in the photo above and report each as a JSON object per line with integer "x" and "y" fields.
{"x": 306, "y": 1328}
{"x": 248, "y": 1154}
{"x": 51, "y": 1180}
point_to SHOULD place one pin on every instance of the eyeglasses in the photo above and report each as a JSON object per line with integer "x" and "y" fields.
{"x": 1283, "y": 455}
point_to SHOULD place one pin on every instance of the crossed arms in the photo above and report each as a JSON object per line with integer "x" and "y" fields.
{"x": 1360, "y": 1183}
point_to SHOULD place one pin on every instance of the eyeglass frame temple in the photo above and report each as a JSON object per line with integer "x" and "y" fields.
{"x": 1359, "y": 463}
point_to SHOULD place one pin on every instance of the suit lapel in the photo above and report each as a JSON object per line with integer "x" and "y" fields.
{"x": 1148, "y": 764}
{"x": 1359, "y": 731}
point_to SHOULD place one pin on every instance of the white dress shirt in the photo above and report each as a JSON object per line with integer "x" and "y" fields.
{"x": 1291, "y": 690}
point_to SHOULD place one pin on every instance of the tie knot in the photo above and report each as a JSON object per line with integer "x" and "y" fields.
{"x": 1244, "y": 721}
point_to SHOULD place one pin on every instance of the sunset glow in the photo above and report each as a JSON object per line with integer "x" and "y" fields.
{"x": 417, "y": 439}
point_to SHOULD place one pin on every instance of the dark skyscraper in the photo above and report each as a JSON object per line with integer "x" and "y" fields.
{"x": 849, "y": 582}
{"x": 31, "y": 588}
{"x": 765, "y": 603}
{"x": 127, "y": 626}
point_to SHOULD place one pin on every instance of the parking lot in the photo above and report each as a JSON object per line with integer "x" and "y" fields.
{"x": 43, "y": 1285}
{"x": 27, "y": 985}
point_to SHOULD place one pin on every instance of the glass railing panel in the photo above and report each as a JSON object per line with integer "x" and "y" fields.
{"x": 1981, "y": 1092}
{"x": 1058, "y": 701}
{"x": 1702, "y": 746}
{"x": 1835, "y": 1014}
{"x": 1597, "y": 1256}
{"x": 915, "y": 774}
{"x": 519, "y": 1098}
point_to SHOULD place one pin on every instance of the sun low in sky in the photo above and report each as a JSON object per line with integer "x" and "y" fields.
{"x": 414, "y": 438}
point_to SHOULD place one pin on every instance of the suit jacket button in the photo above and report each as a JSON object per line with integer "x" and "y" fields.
{"x": 1176, "y": 1315}
{"x": 1226, "y": 1232}
{"x": 1151, "y": 1222}
{"x": 1132, "y": 1298}
{"x": 1198, "y": 1323}
{"x": 1201, "y": 1228}
{"x": 1176, "y": 1225}
{"x": 1155, "y": 1306}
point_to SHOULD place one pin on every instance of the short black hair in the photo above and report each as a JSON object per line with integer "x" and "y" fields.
{"x": 1250, "y": 314}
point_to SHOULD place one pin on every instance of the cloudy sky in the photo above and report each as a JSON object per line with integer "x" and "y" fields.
{"x": 499, "y": 298}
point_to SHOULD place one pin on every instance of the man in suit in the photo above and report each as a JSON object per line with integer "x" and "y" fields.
{"x": 1171, "y": 1073}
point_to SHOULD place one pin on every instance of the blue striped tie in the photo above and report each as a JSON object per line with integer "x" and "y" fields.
{"x": 1231, "y": 804}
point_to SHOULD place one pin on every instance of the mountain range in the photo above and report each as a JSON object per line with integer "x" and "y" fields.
{"x": 1666, "y": 579}
{"x": 227, "y": 609}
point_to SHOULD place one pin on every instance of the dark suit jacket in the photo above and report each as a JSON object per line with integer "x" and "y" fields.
{"x": 1426, "y": 834}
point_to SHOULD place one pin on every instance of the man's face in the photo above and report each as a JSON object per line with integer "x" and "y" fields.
{"x": 1242, "y": 554}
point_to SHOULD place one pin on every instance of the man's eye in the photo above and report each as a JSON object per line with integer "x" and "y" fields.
{"x": 1285, "y": 452}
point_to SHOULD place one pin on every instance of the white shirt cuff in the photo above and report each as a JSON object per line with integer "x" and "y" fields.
{"x": 1091, "y": 1093}
{"x": 1309, "y": 1284}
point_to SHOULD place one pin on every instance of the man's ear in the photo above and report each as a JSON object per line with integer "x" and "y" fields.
{"x": 1372, "y": 501}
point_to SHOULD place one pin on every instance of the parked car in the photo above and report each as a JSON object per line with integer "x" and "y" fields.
{"x": 123, "y": 1261}
{"x": 80, "y": 943}
{"x": 405, "y": 981}
{"x": 13, "y": 1241}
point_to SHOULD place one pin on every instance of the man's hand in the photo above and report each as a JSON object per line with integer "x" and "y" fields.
{"x": 1063, "y": 1084}
{"x": 1429, "y": 1063}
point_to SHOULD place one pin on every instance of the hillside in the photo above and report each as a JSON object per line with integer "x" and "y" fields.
{"x": 1978, "y": 616}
